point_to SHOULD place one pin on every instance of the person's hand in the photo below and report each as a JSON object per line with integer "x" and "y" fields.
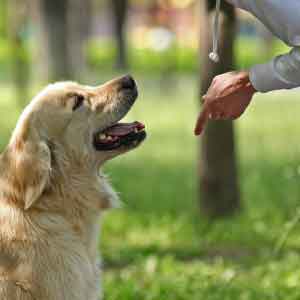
{"x": 227, "y": 98}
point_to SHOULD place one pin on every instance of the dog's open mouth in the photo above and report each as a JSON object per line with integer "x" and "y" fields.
{"x": 120, "y": 135}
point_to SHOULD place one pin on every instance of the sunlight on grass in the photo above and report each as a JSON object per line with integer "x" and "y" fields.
{"x": 158, "y": 246}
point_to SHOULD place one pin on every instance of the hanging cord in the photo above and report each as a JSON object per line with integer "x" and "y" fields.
{"x": 214, "y": 56}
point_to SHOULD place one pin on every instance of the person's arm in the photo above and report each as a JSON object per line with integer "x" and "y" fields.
{"x": 283, "y": 72}
{"x": 282, "y": 18}
{"x": 230, "y": 94}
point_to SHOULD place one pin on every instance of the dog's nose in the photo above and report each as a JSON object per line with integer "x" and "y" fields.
{"x": 127, "y": 82}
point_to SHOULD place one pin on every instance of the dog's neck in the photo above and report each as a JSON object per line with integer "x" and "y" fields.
{"x": 75, "y": 193}
{"x": 70, "y": 206}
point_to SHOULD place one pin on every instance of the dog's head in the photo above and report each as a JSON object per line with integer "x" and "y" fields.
{"x": 75, "y": 127}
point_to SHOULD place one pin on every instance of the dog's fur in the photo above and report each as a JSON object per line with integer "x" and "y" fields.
{"x": 51, "y": 193}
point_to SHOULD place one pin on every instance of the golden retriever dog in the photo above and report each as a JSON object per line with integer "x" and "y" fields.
{"x": 52, "y": 192}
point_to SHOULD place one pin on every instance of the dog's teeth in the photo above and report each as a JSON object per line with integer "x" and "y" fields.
{"x": 102, "y": 136}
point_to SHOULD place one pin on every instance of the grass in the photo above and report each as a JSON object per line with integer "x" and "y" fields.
{"x": 158, "y": 246}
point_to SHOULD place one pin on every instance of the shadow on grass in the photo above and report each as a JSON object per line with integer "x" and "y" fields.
{"x": 238, "y": 255}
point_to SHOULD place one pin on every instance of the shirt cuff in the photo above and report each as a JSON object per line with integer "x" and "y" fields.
{"x": 264, "y": 78}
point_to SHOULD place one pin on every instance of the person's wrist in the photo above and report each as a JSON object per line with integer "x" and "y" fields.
{"x": 252, "y": 88}
{"x": 247, "y": 80}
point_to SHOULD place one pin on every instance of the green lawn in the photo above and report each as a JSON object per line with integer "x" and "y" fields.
{"x": 158, "y": 246}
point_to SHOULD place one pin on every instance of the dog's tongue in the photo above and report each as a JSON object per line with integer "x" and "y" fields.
{"x": 122, "y": 129}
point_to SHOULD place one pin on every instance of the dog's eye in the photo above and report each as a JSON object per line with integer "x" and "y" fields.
{"x": 78, "y": 101}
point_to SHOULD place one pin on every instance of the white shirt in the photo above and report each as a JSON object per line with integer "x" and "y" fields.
{"x": 282, "y": 18}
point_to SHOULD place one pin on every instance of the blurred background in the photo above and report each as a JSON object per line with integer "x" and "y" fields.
{"x": 211, "y": 218}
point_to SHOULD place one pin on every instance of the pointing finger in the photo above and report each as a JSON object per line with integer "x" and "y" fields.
{"x": 202, "y": 120}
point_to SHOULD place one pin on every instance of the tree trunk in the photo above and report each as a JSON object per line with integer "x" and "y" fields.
{"x": 218, "y": 167}
{"x": 54, "y": 14}
{"x": 40, "y": 54}
{"x": 119, "y": 8}
{"x": 80, "y": 20}
{"x": 19, "y": 56}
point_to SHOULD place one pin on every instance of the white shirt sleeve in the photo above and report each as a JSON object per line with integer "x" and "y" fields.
{"x": 283, "y": 20}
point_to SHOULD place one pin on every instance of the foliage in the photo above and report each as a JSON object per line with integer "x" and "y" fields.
{"x": 3, "y": 18}
{"x": 250, "y": 51}
{"x": 101, "y": 56}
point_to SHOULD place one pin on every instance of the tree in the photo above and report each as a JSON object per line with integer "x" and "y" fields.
{"x": 79, "y": 25}
{"x": 19, "y": 56}
{"x": 65, "y": 29}
{"x": 218, "y": 167}
{"x": 54, "y": 16}
{"x": 119, "y": 9}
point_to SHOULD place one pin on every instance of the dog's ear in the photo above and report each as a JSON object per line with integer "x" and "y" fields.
{"x": 32, "y": 168}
